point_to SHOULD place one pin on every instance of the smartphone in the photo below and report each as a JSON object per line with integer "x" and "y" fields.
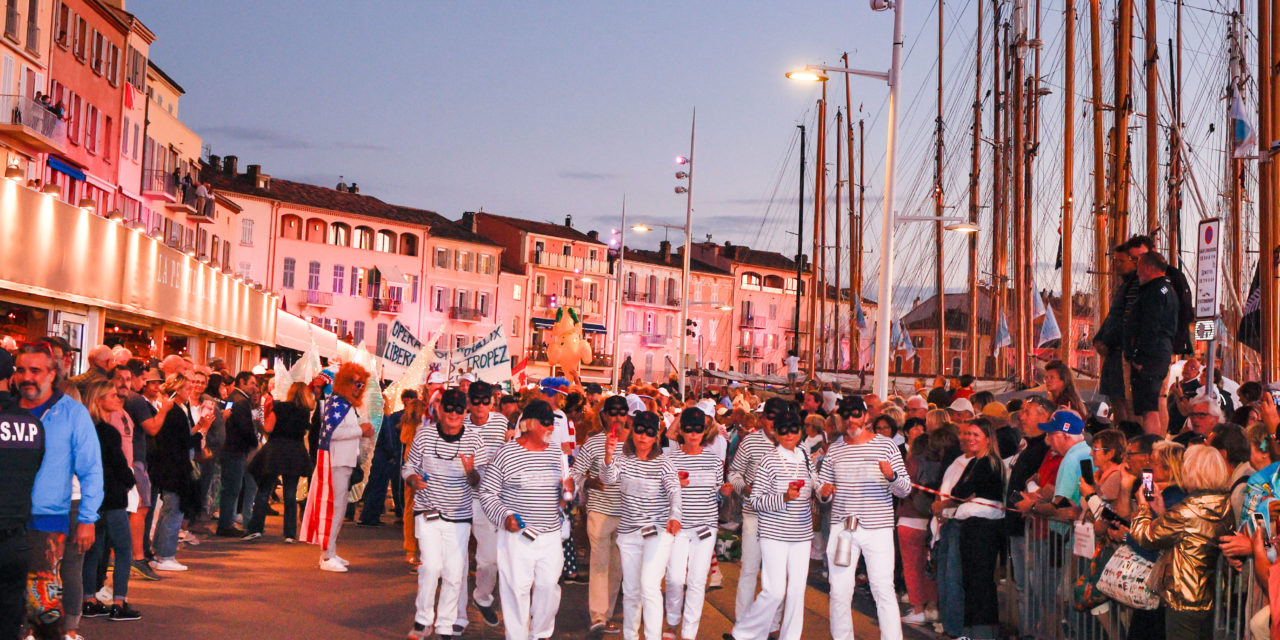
{"x": 1260, "y": 523}
{"x": 705, "y": 533}
{"x": 1148, "y": 485}
{"x": 1086, "y": 471}
{"x": 431, "y": 515}
{"x": 529, "y": 535}
{"x": 227, "y": 405}
{"x": 648, "y": 531}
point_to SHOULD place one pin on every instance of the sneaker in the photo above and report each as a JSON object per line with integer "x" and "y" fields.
{"x": 418, "y": 632}
{"x": 94, "y": 609}
{"x": 123, "y": 612}
{"x": 490, "y": 614}
{"x": 189, "y": 538}
{"x": 612, "y": 628}
{"x": 168, "y": 564}
{"x": 290, "y": 540}
{"x": 917, "y": 618}
{"x": 144, "y": 570}
{"x": 230, "y": 532}
{"x": 596, "y": 631}
{"x": 342, "y": 560}
{"x": 253, "y": 535}
{"x": 332, "y": 564}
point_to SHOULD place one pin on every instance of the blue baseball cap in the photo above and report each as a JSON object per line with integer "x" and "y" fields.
{"x": 1064, "y": 421}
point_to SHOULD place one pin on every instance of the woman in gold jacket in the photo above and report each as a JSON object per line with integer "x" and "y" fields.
{"x": 1188, "y": 534}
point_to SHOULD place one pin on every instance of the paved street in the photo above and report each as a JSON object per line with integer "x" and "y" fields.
{"x": 267, "y": 590}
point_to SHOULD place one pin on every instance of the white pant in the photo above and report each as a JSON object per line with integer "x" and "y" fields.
{"x": 687, "y": 579}
{"x": 486, "y": 535}
{"x": 439, "y": 542}
{"x": 644, "y": 562}
{"x": 784, "y": 572}
{"x": 341, "y": 485}
{"x": 530, "y": 584}
{"x": 876, "y": 545}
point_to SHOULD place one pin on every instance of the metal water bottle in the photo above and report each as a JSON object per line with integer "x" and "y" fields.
{"x": 844, "y": 545}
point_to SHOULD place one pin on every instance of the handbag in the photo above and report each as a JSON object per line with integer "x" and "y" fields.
{"x": 1126, "y": 579}
{"x": 1086, "y": 594}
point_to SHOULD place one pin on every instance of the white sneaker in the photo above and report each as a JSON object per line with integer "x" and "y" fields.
{"x": 168, "y": 564}
{"x": 342, "y": 560}
{"x": 188, "y": 537}
{"x": 905, "y": 598}
{"x": 931, "y": 614}
{"x": 332, "y": 564}
{"x": 104, "y": 595}
{"x": 914, "y": 618}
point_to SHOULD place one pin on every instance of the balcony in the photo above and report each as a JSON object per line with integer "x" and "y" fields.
{"x": 31, "y": 123}
{"x": 315, "y": 298}
{"x": 654, "y": 341}
{"x": 466, "y": 314}
{"x": 386, "y": 305}
{"x": 538, "y": 353}
{"x": 673, "y": 301}
{"x": 543, "y": 301}
{"x": 160, "y": 185}
{"x": 751, "y": 322}
{"x": 569, "y": 263}
{"x": 748, "y": 352}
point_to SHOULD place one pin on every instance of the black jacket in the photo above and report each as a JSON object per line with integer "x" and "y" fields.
{"x": 21, "y": 452}
{"x": 1150, "y": 326}
{"x": 1111, "y": 335}
{"x": 169, "y": 463}
{"x": 242, "y": 436}
{"x": 117, "y": 475}
{"x": 1182, "y": 343}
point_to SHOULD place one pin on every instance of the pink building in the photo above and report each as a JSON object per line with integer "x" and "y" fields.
{"x": 563, "y": 268}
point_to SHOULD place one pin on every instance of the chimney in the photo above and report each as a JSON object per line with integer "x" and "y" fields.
{"x": 568, "y": 221}
{"x": 664, "y": 248}
{"x": 259, "y": 179}
{"x": 215, "y": 163}
{"x": 469, "y": 221}
{"x": 593, "y": 234}
{"x": 229, "y": 165}
{"x": 353, "y": 188}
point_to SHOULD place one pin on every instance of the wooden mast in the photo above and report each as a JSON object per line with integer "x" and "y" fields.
{"x": 835, "y": 305}
{"x": 940, "y": 340}
{"x": 975, "y": 173}
{"x": 1176, "y": 176}
{"x": 815, "y": 281}
{"x": 1018, "y": 122}
{"x": 1235, "y": 167}
{"x": 862, "y": 202}
{"x": 1101, "y": 283}
{"x": 1153, "y": 122}
{"x": 999, "y": 255}
{"x": 1067, "y": 348}
{"x": 855, "y": 230}
{"x": 1120, "y": 130}
{"x": 820, "y": 192}
{"x": 1267, "y": 226}
{"x": 1032, "y": 144}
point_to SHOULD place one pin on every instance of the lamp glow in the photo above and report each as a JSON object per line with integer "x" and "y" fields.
{"x": 963, "y": 227}
{"x": 807, "y": 75}
{"x": 641, "y": 228}
{"x": 13, "y": 172}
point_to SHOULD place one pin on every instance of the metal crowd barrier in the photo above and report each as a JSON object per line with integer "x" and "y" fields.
{"x": 1046, "y": 610}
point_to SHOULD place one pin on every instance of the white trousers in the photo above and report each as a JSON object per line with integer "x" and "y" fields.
{"x": 530, "y": 584}
{"x": 341, "y": 485}
{"x": 486, "y": 535}
{"x": 876, "y": 546}
{"x": 687, "y": 580}
{"x": 644, "y": 562}
{"x": 439, "y": 542}
{"x": 784, "y": 572}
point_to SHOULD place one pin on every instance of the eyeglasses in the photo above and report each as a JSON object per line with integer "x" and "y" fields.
{"x": 359, "y": 385}
{"x": 647, "y": 430}
{"x": 484, "y": 400}
{"x": 452, "y": 408}
{"x": 788, "y": 429}
{"x": 692, "y": 428}
{"x": 615, "y": 413}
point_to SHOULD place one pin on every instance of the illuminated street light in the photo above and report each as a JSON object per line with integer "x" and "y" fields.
{"x": 807, "y": 74}
{"x": 963, "y": 227}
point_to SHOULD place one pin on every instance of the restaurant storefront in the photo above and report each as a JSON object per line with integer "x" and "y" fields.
{"x": 67, "y": 271}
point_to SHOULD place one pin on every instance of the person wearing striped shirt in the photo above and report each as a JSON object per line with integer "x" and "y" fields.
{"x": 494, "y": 430}
{"x": 650, "y": 491}
{"x": 522, "y": 488}
{"x": 603, "y": 510}
{"x": 782, "y": 498}
{"x": 742, "y": 472}
{"x": 701, "y": 474}
{"x": 863, "y": 472}
{"x": 442, "y": 471}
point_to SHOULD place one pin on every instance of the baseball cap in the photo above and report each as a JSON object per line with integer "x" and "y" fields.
{"x": 961, "y": 404}
{"x": 707, "y": 406}
{"x": 851, "y": 403}
{"x": 995, "y": 410}
{"x": 645, "y": 420}
{"x": 437, "y": 377}
{"x": 693, "y": 417}
{"x": 153, "y": 375}
{"x": 615, "y": 403}
{"x": 1064, "y": 421}
{"x": 539, "y": 410}
{"x": 775, "y": 406}
{"x": 469, "y": 377}
{"x": 480, "y": 390}
{"x": 453, "y": 398}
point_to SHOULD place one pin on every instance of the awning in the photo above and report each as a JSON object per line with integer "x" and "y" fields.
{"x": 392, "y": 275}
{"x": 543, "y": 323}
{"x": 295, "y": 333}
{"x": 64, "y": 167}
{"x": 587, "y": 327}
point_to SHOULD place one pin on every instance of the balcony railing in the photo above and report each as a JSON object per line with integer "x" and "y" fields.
{"x": 653, "y": 341}
{"x": 465, "y": 313}
{"x": 634, "y": 296}
{"x": 748, "y": 352}
{"x": 386, "y": 305}
{"x": 159, "y": 182}
{"x": 673, "y": 301}
{"x": 31, "y": 122}
{"x": 751, "y": 322}
{"x": 543, "y": 301}
{"x": 569, "y": 263}
{"x": 538, "y": 353}
{"x": 317, "y": 298}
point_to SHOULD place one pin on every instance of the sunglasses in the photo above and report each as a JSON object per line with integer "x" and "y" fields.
{"x": 359, "y": 385}
{"x": 788, "y": 430}
{"x": 42, "y": 347}
{"x": 692, "y": 428}
{"x": 452, "y": 408}
{"x": 648, "y": 430}
{"x": 615, "y": 413}
{"x": 484, "y": 400}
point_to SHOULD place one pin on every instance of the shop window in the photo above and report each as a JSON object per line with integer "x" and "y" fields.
{"x": 313, "y": 276}
{"x": 357, "y": 331}
{"x": 339, "y": 278}
{"x": 286, "y": 280}
{"x": 382, "y": 337}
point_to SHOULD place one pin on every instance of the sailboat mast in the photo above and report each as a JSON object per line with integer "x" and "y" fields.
{"x": 1175, "y": 146}
{"x": 1101, "y": 288}
{"x": 1270, "y": 198}
{"x": 940, "y": 341}
{"x": 1121, "y": 109}
{"x": 855, "y": 226}
{"x": 1032, "y": 137}
{"x": 835, "y": 304}
{"x": 1017, "y": 116}
{"x": 1235, "y": 169}
{"x": 975, "y": 173}
{"x": 1067, "y": 347}
{"x": 999, "y": 220}
{"x": 862, "y": 201}
{"x": 1153, "y": 121}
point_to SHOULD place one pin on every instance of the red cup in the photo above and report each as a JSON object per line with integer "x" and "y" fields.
{"x": 684, "y": 475}
{"x": 798, "y": 484}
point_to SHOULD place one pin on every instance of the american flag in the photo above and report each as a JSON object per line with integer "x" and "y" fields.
{"x": 317, "y": 520}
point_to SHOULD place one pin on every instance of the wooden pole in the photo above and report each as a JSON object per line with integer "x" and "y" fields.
{"x": 1068, "y": 347}
{"x": 1175, "y": 156}
{"x": 1238, "y": 277}
{"x": 815, "y": 321}
{"x": 835, "y": 305}
{"x": 940, "y": 340}
{"x": 855, "y": 230}
{"x": 1153, "y": 122}
{"x": 1122, "y": 108}
{"x": 862, "y": 198}
{"x": 975, "y": 173}
{"x": 999, "y": 255}
{"x": 1102, "y": 285}
{"x": 821, "y": 238}
{"x": 1265, "y": 210}
{"x": 1020, "y": 285}
{"x": 1268, "y": 227}
{"x": 1032, "y": 137}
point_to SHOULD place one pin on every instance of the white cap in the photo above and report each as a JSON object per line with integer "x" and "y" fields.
{"x": 437, "y": 377}
{"x": 663, "y": 391}
{"x": 961, "y": 404}
{"x": 707, "y": 406}
{"x": 469, "y": 377}
{"x": 635, "y": 404}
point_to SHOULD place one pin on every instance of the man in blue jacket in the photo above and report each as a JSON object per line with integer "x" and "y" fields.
{"x": 71, "y": 452}
{"x": 384, "y": 469}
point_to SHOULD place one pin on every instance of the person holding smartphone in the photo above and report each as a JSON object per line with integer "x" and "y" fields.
{"x": 523, "y": 489}
{"x": 442, "y": 471}
{"x": 650, "y": 499}
{"x": 1104, "y": 486}
{"x": 604, "y": 509}
{"x": 701, "y": 474}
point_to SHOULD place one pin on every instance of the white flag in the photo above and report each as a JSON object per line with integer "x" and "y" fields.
{"x": 1049, "y": 331}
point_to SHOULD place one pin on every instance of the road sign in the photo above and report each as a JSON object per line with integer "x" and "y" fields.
{"x": 1206, "y": 330}
{"x": 1208, "y": 240}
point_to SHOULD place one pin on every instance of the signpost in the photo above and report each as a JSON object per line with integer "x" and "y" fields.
{"x": 1208, "y": 242}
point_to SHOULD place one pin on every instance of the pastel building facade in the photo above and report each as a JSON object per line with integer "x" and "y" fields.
{"x": 28, "y": 131}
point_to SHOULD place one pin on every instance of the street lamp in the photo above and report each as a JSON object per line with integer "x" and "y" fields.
{"x": 885, "y": 302}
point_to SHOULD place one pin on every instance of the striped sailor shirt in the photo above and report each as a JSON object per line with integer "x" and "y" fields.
{"x": 590, "y": 461}
{"x": 448, "y": 490}
{"x": 524, "y": 482}
{"x": 780, "y": 519}
{"x": 650, "y": 491}
{"x": 700, "y": 499}
{"x": 861, "y": 488}
{"x": 742, "y": 472}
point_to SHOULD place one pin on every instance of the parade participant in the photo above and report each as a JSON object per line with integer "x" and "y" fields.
{"x": 785, "y": 482}
{"x": 865, "y": 472}
{"x": 285, "y": 459}
{"x": 20, "y": 459}
{"x": 742, "y": 475}
{"x": 442, "y": 471}
{"x": 494, "y": 430}
{"x": 339, "y": 448}
{"x": 182, "y": 430}
{"x": 522, "y": 489}
{"x": 650, "y": 499}
{"x": 241, "y": 439}
{"x": 603, "y": 511}
{"x": 701, "y": 474}
{"x": 385, "y": 467}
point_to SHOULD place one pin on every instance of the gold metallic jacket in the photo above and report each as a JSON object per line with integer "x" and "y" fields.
{"x": 1189, "y": 534}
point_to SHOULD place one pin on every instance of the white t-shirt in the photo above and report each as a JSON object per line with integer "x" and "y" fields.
{"x": 793, "y": 365}
{"x": 563, "y": 429}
